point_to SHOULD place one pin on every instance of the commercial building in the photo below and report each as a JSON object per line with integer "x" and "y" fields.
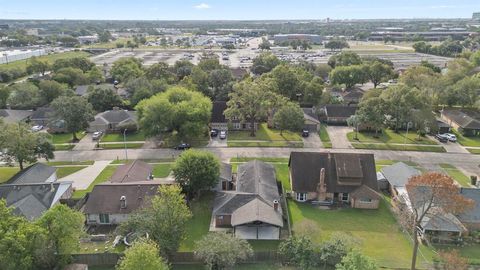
{"x": 476, "y": 16}
{"x": 281, "y": 38}
{"x": 16, "y": 55}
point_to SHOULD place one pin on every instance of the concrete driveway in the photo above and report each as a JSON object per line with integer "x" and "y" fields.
{"x": 216, "y": 142}
{"x": 86, "y": 143}
{"x": 312, "y": 141}
{"x": 338, "y": 136}
{"x": 83, "y": 178}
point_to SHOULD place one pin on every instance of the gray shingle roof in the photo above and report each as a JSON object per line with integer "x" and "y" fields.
{"x": 14, "y": 116}
{"x": 32, "y": 200}
{"x": 36, "y": 173}
{"x": 465, "y": 119}
{"x": 133, "y": 171}
{"x": 117, "y": 116}
{"x": 258, "y": 177}
{"x": 344, "y": 111}
{"x": 472, "y": 215}
{"x": 399, "y": 173}
{"x": 225, "y": 171}
{"x": 438, "y": 220}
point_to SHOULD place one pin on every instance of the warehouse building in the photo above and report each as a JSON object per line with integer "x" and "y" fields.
{"x": 281, "y": 38}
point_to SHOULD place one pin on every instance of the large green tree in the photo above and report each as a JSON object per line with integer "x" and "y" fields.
{"x": 164, "y": 219}
{"x": 348, "y": 75}
{"x": 196, "y": 170}
{"x": 36, "y": 65}
{"x": 143, "y": 254}
{"x": 20, "y": 144}
{"x": 299, "y": 251}
{"x": 23, "y": 96}
{"x": 50, "y": 90}
{"x": 126, "y": 69}
{"x": 64, "y": 228}
{"x": 75, "y": 111}
{"x": 289, "y": 117}
{"x": 378, "y": 72}
{"x": 178, "y": 109}
{"x": 264, "y": 63}
{"x": 371, "y": 113}
{"x": 355, "y": 260}
{"x": 344, "y": 59}
{"x": 103, "y": 99}
{"x": 221, "y": 251}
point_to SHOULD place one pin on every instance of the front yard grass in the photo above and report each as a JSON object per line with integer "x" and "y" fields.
{"x": 66, "y": 163}
{"x": 64, "y": 171}
{"x": 380, "y": 236}
{"x": 473, "y": 141}
{"x": 389, "y": 136}
{"x": 265, "y": 159}
{"x": 456, "y": 174}
{"x": 118, "y": 137}
{"x": 324, "y": 137}
{"x": 171, "y": 140}
{"x": 199, "y": 224}
{"x": 102, "y": 177}
{"x": 7, "y": 172}
{"x": 264, "y": 134}
{"x": 59, "y": 138}
{"x": 162, "y": 170}
{"x": 398, "y": 147}
{"x": 120, "y": 145}
{"x": 474, "y": 151}
{"x": 63, "y": 147}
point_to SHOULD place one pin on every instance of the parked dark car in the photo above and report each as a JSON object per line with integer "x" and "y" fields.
{"x": 214, "y": 132}
{"x": 182, "y": 146}
{"x": 441, "y": 138}
{"x": 305, "y": 133}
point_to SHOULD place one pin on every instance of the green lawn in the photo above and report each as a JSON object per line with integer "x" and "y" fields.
{"x": 467, "y": 141}
{"x": 172, "y": 139}
{"x": 264, "y": 134}
{"x": 63, "y": 147}
{"x": 396, "y": 147}
{"x": 102, "y": 177}
{"x": 266, "y": 159}
{"x": 22, "y": 64}
{"x": 62, "y": 163}
{"x": 65, "y": 137}
{"x": 389, "y": 136}
{"x": 123, "y": 161}
{"x": 7, "y": 172}
{"x": 162, "y": 170}
{"x": 64, "y": 171}
{"x": 118, "y": 137}
{"x": 120, "y": 145}
{"x": 265, "y": 144}
{"x": 471, "y": 252}
{"x": 199, "y": 225}
{"x": 324, "y": 137}
{"x": 380, "y": 236}
{"x": 456, "y": 174}
{"x": 474, "y": 151}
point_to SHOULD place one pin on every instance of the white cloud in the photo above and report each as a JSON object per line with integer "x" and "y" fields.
{"x": 202, "y": 6}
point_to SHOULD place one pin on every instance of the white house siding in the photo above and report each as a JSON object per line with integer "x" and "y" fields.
{"x": 115, "y": 219}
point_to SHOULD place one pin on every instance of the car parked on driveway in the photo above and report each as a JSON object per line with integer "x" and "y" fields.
{"x": 182, "y": 146}
{"x": 305, "y": 133}
{"x": 97, "y": 135}
{"x": 37, "y": 128}
{"x": 451, "y": 137}
{"x": 441, "y": 138}
{"x": 223, "y": 135}
{"x": 214, "y": 133}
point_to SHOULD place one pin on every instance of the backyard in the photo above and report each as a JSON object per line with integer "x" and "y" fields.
{"x": 264, "y": 137}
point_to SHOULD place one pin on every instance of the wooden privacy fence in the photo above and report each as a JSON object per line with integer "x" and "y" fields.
{"x": 178, "y": 257}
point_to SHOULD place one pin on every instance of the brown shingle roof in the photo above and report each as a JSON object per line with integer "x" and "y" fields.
{"x": 105, "y": 198}
{"x": 333, "y": 110}
{"x": 465, "y": 119}
{"x": 353, "y": 171}
{"x": 132, "y": 172}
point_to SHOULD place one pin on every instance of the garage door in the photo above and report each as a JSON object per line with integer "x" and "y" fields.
{"x": 311, "y": 127}
{"x": 268, "y": 233}
{"x": 245, "y": 232}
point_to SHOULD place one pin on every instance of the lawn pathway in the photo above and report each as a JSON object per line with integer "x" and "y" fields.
{"x": 83, "y": 178}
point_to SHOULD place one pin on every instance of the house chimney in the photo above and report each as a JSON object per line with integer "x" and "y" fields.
{"x": 275, "y": 205}
{"x": 123, "y": 202}
{"x": 322, "y": 187}
{"x": 52, "y": 189}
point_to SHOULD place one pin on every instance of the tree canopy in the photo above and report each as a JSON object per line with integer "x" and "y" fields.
{"x": 143, "y": 254}
{"x": 75, "y": 111}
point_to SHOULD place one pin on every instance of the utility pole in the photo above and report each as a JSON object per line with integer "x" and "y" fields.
{"x": 125, "y": 143}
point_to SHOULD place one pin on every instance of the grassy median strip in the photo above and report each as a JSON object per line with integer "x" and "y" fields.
{"x": 63, "y": 147}
{"x": 66, "y": 163}
{"x": 324, "y": 137}
{"x": 65, "y": 171}
{"x": 474, "y": 151}
{"x": 399, "y": 147}
{"x": 265, "y": 144}
{"x": 120, "y": 145}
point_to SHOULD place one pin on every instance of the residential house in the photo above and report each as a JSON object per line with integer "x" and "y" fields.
{"x": 218, "y": 120}
{"x": 15, "y": 116}
{"x": 471, "y": 217}
{"x": 82, "y": 90}
{"x": 42, "y": 116}
{"x": 226, "y": 178}
{"x": 239, "y": 73}
{"x": 442, "y": 127}
{"x": 134, "y": 171}
{"x": 397, "y": 176}
{"x": 352, "y": 96}
{"x": 31, "y": 200}
{"x": 112, "y": 203}
{"x": 311, "y": 120}
{"x": 113, "y": 121}
{"x": 252, "y": 210}
{"x": 465, "y": 121}
{"x": 334, "y": 177}
{"x": 35, "y": 174}
{"x": 337, "y": 114}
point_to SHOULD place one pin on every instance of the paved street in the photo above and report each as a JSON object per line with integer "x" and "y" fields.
{"x": 466, "y": 162}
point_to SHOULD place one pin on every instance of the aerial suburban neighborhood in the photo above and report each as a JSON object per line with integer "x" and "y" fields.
{"x": 217, "y": 135}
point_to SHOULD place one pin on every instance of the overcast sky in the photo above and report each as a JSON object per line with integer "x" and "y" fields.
{"x": 235, "y": 9}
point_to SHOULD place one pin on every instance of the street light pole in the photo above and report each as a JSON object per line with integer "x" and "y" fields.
{"x": 125, "y": 143}
{"x": 406, "y": 134}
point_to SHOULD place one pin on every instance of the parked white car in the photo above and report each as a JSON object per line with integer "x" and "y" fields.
{"x": 451, "y": 137}
{"x": 223, "y": 135}
{"x": 37, "y": 128}
{"x": 97, "y": 135}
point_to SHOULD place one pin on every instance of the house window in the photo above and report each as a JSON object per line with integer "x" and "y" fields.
{"x": 345, "y": 197}
{"x": 104, "y": 218}
{"x": 301, "y": 197}
{"x": 92, "y": 218}
{"x": 365, "y": 200}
